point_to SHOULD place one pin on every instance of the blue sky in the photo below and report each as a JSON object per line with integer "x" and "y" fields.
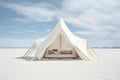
{"x": 22, "y": 21}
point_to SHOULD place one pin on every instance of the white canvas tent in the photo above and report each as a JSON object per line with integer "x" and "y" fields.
{"x": 61, "y": 43}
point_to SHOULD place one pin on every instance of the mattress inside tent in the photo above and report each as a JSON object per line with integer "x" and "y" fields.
{"x": 60, "y": 55}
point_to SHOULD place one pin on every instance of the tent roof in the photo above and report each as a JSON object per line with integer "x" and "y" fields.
{"x": 62, "y": 26}
{"x": 62, "y": 29}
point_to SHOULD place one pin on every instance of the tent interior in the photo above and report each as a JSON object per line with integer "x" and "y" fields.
{"x": 60, "y": 48}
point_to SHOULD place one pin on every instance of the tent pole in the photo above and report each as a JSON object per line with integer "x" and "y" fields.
{"x": 29, "y": 50}
{"x": 27, "y": 53}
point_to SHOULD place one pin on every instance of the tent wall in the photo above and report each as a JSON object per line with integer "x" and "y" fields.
{"x": 65, "y": 45}
{"x": 55, "y": 44}
{"x": 60, "y": 43}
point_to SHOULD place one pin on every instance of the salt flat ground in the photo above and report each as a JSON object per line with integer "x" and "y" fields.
{"x": 12, "y": 67}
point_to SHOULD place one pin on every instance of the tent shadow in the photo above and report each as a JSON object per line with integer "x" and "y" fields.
{"x": 60, "y": 60}
{"x": 31, "y": 59}
{"x": 26, "y": 58}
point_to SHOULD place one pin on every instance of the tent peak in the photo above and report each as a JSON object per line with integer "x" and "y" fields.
{"x": 61, "y": 18}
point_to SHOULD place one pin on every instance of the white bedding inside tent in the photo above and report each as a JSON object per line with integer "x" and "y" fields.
{"x": 61, "y": 55}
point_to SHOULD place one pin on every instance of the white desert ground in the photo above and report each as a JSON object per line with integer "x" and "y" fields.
{"x": 13, "y": 67}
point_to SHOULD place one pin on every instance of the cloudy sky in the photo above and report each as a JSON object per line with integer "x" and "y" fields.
{"x": 22, "y": 21}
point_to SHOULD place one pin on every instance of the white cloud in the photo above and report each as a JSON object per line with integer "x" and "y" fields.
{"x": 115, "y": 36}
{"x": 11, "y": 26}
{"x": 91, "y": 14}
{"x": 84, "y": 32}
{"x": 33, "y": 12}
{"x": 93, "y": 33}
{"x": 48, "y": 30}
{"x": 21, "y": 20}
{"x": 16, "y": 32}
{"x": 31, "y": 31}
